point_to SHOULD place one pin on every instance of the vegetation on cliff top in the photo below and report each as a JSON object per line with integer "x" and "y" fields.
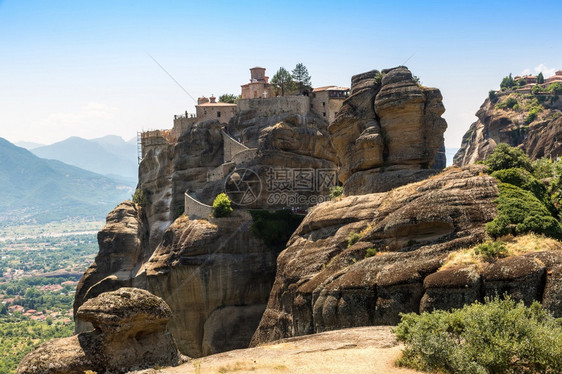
{"x": 500, "y": 336}
{"x": 292, "y": 83}
{"x": 524, "y": 203}
{"x": 222, "y": 206}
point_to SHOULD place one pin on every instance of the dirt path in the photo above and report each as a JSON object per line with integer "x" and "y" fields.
{"x": 357, "y": 350}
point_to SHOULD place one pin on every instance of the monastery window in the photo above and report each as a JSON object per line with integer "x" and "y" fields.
{"x": 218, "y": 114}
{"x": 324, "y": 104}
{"x": 324, "y": 114}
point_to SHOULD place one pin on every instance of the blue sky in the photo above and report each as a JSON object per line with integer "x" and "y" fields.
{"x": 81, "y": 68}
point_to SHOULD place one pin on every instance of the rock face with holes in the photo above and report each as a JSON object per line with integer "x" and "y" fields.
{"x": 129, "y": 334}
{"x": 388, "y": 132}
{"x": 539, "y": 136}
{"x": 325, "y": 281}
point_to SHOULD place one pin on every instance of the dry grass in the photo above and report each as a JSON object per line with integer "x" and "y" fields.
{"x": 516, "y": 246}
{"x": 237, "y": 366}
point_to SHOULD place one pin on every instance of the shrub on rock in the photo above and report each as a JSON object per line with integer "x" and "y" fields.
{"x": 500, "y": 336}
{"x": 222, "y": 206}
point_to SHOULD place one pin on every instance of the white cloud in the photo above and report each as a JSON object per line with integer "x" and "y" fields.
{"x": 546, "y": 71}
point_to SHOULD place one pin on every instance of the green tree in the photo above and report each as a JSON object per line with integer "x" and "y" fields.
{"x": 506, "y": 157}
{"x": 282, "y": 80}
{"x": 222, "y": 206}
{"x": 301, "y": 76}
{"x": 540, "y": 78}
{"x": 229, "y": 98}
{"x": 555, "y": 88}
{"x": 507, "y": 82}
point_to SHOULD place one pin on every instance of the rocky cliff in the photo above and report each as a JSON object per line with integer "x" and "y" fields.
{"x": 531, "y": 122}
{"x": 215, "y": 274}
{"x": 363, "y": 260}
{"x": 388, "y": 132}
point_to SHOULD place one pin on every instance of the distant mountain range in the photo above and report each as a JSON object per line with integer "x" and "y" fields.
{"x": 110, "y": 155}
{"x": 38, "y": 190}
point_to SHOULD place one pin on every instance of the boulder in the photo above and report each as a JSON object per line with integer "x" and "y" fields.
{"x": 129, "y": 334}
{"x": 216, "y": 276}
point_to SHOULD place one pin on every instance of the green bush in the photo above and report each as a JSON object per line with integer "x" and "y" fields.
{"x": 275, "y": 228}
{"x": 370, "y": 252}
{"x": 500, "y": 336}
{"x": 532, "y": 115}
{"x": 519, "y": 212}
{"x": 543, "y": 168}
{"x": 555, "y": 88}
{"x": 508, "y": 103}
{"x": 493, "y": 96}
{"x": 336, "y": 191}
{"x": 525, "y": 180}
{"x": 506, "y": 157}
{"x": 491, "y": 250}
{"x": 141, "y": 197}
{"x": 353, "y": 238}
{"x": 222, "y": 206}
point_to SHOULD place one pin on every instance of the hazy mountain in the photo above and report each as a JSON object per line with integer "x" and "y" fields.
{"x": 28, "y": 145}
{"x": 35, "y": 189}
{"x": 109, "y": 155}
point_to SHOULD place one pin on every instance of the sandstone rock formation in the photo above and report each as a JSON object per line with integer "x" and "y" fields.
{"x": 216, "y": 277}
{"x": 172, "y": 168}
{"x": 539, "y": 138}
{"x": 389, "y": 125}
{"x": 120, "y": 256}
{"x": 129, "y": 334}
{"x": 325, "y": 281}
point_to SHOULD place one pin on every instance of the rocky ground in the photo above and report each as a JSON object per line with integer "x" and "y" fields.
{"x": 356, "y": 350}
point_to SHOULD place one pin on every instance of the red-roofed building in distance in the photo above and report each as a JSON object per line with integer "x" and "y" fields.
{"x": 557, "y": 77}
{"x": 208, "y": 108}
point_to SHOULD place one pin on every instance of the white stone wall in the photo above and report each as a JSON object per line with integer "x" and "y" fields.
{"x": 195, "y": 209}
{"x": 231, "y": 147}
